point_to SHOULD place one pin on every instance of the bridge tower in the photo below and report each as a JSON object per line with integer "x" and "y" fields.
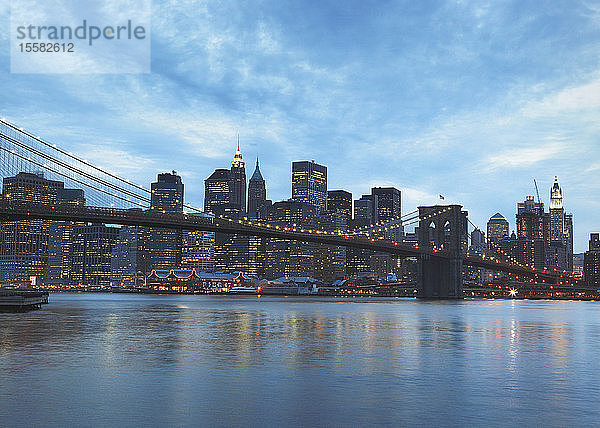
{"x": 445, "y": 227}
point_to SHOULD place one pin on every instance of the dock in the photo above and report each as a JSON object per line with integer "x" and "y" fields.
{"x": 22, "y": 301}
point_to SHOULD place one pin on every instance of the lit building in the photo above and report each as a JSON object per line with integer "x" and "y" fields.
{"x": 366, "y": 209}
{"x": 557, "y": 213}
{"x": 290, "y": 258}
{"x": 129, "y": 257}
{"x": 238, "y": 181}
{"x": 497, "y": 227}
{"x": 164, "y": 245}
{"x": 257, "y": 193}
{"x": 330, "y": 261}
{"x": 389, "y": 203}
{"x": 91, "y": 254}
{"x": 309, "y": 184}
{"x": 591, "y": 266}
{"x": 24, "y": 243}
{"x": 198, "y": 249}
{"x": 60, "y": 241}
{"x": 529, "y": 252}
{"x": 217, "y": 191}
{"x": 340, "y": 202}
{"x": 225, "y": 196}
{"x": 532, "y": 221}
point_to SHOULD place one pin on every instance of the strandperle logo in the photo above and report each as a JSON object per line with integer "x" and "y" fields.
{"x": 83, "y": 32}
{"x": 80, "y": 36}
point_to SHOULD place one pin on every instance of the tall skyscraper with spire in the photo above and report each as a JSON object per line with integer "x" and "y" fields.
{"x": 257, "y": 193}
{"x": 557, "y": 213}
{"x": 238, "y": 180}
{"x": 560, "y": 254}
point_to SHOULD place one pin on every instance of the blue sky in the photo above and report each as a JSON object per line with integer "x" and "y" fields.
{"x": 471, "y": 100}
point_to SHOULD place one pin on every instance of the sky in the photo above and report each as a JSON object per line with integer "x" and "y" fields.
{"x": 469, "y": 100}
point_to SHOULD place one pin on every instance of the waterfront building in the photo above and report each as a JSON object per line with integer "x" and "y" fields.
{"x": 497, "y": 227}
{"x": 290, "y": 258}
{"x": 191, "y": 280}
{"x": 91, "y": 254}
{"x": 330, "y": 261}
{"x": 60, "y": 239}
{"x": 129, "y": 256}
{"x": 24, "y": 243}
{"x": 340, "y": 202}
{"x": 309, "y": 184}
{"x": 257, "y": 193}
{"x": 198, "y": 249}
{"x": 164, "y": 245}
{"x": 591, "y": 267}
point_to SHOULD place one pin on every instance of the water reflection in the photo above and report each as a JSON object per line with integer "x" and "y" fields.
{"x": 184, "y": 359}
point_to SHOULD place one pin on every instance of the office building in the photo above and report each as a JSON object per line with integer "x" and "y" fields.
{"x": 129, "y": 256}
{"x": 591, "y": 265}
{"x": 91, "y": 254}
{"x": 497, "y": 227}
{"x": 366, "y": 209}
{"x": 309, "y": 184}
{"x": 340, "y": 202}
{"x": 164, "y": 245}
{"x": 60, "y": 239}
{"x": 257, "y": 193}
{"x": 290, "y": 258}
{"x": 24, "y": 243}
{"x": 330, "y": 261}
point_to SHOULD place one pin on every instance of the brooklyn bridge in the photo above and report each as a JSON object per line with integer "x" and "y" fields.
{"x": 441, "y": 248}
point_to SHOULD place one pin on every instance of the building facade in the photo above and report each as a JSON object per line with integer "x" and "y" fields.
{"x": 309, "y": 184}
{"x": 164, "y": 245}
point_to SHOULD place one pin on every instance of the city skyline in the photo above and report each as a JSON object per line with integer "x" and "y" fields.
{"x": 473, "y": 106}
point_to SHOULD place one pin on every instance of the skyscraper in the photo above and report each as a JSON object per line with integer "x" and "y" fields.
{"x": 164, "y": 245}
{"x": 340, "y": 202}
{"x": 198, "y": 249}
{"x": 238, "y": 181}
{"x": 591, "y": 264}
{"x": 257, "y": 193}
{"x": 557, "y": 213}
{"x": 497, "y": 227}
{"x": 532, "y": 221}
{"x": 91, "y": 253}
{"x": 24, "y": 243}
{"x": 389, "y": 203}
{"x": 309, "y": 184}
{"x": 60, "y": 240}
{"x": 365, "y": 210}
{"x": 217, "y": 192}
{"x": 290, "y": 258}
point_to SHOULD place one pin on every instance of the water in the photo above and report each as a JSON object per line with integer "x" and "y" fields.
{"x": 135, "y": 360}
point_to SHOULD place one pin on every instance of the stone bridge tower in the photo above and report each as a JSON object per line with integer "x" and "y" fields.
{"x": 445, "y": 227}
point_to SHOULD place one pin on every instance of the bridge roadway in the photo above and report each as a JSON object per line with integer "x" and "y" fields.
{"x": 11, "y": 210}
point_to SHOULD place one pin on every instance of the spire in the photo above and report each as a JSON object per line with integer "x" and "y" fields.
{"x": 257, "y": 176}
{"x": 238, "y": 162}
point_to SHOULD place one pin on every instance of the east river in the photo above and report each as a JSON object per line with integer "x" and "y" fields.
{"x": 137, "y": 360}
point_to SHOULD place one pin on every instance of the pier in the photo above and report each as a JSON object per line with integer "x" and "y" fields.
{"x": 22, "y": 301}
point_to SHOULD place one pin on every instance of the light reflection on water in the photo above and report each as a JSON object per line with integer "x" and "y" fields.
{"x": 101, "y": 359}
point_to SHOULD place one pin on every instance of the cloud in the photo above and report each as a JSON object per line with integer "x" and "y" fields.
{"x": 526, "y": 156}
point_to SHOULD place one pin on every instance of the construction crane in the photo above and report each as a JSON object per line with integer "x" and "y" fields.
{"x": 537, "y": 190}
